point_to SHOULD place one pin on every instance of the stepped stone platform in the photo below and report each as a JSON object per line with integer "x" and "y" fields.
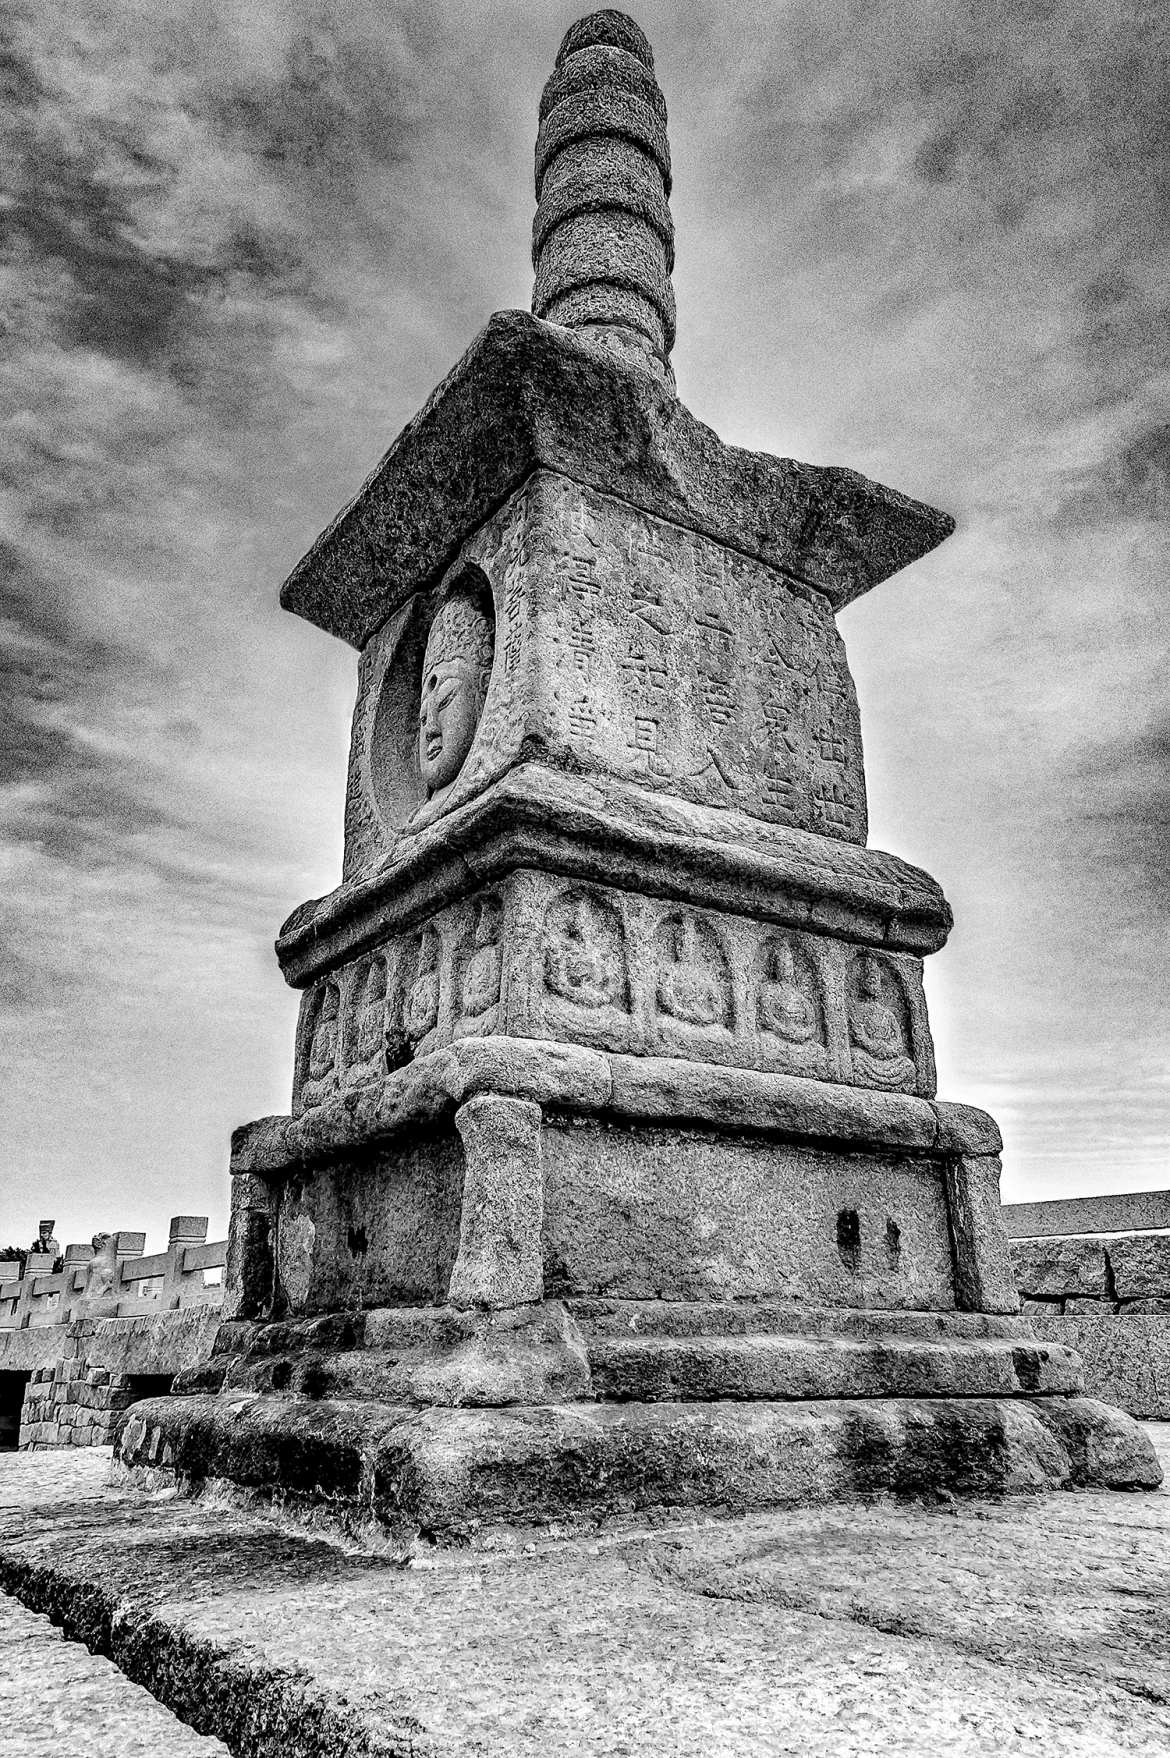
{"x": 1021, "y": 1624}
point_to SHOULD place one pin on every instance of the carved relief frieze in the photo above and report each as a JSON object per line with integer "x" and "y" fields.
{"x": 535, "y": 957}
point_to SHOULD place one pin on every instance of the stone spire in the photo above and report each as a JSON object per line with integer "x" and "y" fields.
{"x": 603, "y": 240}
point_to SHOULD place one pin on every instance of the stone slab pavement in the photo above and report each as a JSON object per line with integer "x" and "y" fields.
{"x": 1033, "y": 1625}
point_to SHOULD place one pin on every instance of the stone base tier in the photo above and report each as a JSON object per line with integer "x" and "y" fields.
{"x": 450, "y": 1476}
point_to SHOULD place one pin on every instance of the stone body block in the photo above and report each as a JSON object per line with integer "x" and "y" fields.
{"x": 649, "y": 1213}
{"x": 629, "y": 649}
{"x": 1054, "y": 1268}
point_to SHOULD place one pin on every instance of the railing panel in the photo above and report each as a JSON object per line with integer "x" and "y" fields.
{"x": 205, "y": 1257}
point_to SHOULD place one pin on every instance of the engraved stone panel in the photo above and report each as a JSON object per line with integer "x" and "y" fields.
{"x": 647, "y": 1213}
{"x": 690, "y": 667}
{"x": 621, "y": 644}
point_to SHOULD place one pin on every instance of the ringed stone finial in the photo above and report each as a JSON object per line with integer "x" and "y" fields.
{"x": 603, "y": 240}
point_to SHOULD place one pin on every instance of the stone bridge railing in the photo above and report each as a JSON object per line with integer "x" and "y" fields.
{"x": 129, "y": 1285}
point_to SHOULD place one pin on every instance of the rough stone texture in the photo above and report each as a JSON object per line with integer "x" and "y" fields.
{"x": 678, "y": 1369}
{"x": 59, "y": 1701}
{"x": 441, "y": 1356}
{"x": 371, "y": 1229}
{"x": 1134, "y": 1212}
{"x": 499, "y": 1262}
{"x": 983, "y": 1265}
{"x": 1053, "y": 1268}
{"x": 1140, "y": 1265}
{"x": 573, "y": 1078}
{"x": 648, "y": 1213}
{"x": 839, "y": 1632}
{"x": 602, "y": 831}
{"x": 530, "y": 395}
{"x": 1126, "y": 1359}
{"x": 445, "y": 1474}
{"x": 83, "y": 1375}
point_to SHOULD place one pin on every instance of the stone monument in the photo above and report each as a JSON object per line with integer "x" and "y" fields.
{"x": 614, "y": 1177}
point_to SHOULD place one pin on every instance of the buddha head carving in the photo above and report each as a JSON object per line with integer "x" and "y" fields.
{"x": 456, "y": 672}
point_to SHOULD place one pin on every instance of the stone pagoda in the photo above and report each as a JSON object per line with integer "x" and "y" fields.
{"x": 614, "y": 1177}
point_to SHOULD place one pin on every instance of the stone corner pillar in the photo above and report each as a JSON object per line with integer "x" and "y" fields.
{"x": 500, "y": 1262}
{"x": 983, "y": 1267}
{"x": 249, "y": 1274}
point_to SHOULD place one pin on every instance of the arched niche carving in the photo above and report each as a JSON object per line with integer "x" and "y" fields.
{"x": 322, "y": 1046}
{"x": 880, "y": 1031}
{"x": 694, "y": 977}
{"x": 788, "y": 1000}
{"x": 454, "y": 679}
{"x": 585, "y": 953}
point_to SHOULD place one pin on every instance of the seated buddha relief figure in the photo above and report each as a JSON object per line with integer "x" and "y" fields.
{"x": 481, "y": 977}
{"x": 457, "y": 669}
{"x": 784, "y": 1007}
{"x": 692, "y": 983}
{"x": 578, "y": 964}
{"x": 420, "y": 1015}
{"x": 321, "y": 1067}
{"x": 369, "y": 1048}
{"x": 876, "y": 1039}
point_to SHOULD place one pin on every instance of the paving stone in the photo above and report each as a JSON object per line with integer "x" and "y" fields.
{"x": 59, "y": 1701}
{"x": 1026, "y": 1625}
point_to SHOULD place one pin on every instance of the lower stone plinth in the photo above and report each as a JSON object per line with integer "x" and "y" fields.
{"x": 451, "y": 1476}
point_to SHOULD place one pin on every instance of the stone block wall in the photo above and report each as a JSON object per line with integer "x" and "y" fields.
{"x": 1108, "y": 1297}
{"x": 82, "y": 1376}
{"x": 73, "y": 1403}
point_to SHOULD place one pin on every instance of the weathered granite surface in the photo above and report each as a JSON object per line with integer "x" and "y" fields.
{"x": 1055, "y": 1268}
{"x": 57, "y": 1700}
{"x": 529, "y": 395}
{"x": 914, "y": 1628}
{"x": 1126, "y": 1358}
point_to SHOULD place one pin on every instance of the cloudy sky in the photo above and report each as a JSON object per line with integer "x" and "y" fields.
{"x": 242, "y": 243}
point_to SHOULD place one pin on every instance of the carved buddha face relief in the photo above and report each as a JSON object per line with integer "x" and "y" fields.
{"x": 456, "y": 672}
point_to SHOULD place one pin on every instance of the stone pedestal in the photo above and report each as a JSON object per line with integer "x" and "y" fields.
{"x": 614, "y": 1177}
